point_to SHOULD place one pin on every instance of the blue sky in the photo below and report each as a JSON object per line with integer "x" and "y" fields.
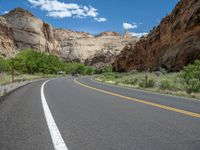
{"x": 95, "y": 16}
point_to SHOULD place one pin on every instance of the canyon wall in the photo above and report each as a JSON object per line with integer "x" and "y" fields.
{"x": 83, "y": 47}
{"x": 28, "y": 32}
{"x": 174, "y": 43}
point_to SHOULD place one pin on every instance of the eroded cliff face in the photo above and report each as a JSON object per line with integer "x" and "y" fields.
{"x": 83, "y": 47}
{"x": 171, "y": 45}
{"x": 31, "y": 32}
{"x": 7, "y": 42}
{"x": 28, "y": 32}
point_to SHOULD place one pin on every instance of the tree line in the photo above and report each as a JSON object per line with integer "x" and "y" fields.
{"x": 35, "y": 62}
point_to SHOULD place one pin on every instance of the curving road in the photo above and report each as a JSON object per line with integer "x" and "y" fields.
{"x": 81, "y": 114}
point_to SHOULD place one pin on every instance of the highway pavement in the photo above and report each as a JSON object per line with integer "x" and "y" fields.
{"x": 82, "y": 114}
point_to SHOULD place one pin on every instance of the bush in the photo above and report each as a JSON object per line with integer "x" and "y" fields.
{"x": 4, "y": 65}
{"x": 191, "y": 76}
{"x": 105, "y": 69}
{"x": 165, "y": 84}
{"x": 150, "y": 83}
{"x": 112, "y": 76}
{"x": 89, "y": 70}
{"x": 191, "y": 71}
{"x": 142, "y": 83}
{"x": 193, "y": 86}
{"x": 78, "y": 68}
{"x": 131, "y": 81}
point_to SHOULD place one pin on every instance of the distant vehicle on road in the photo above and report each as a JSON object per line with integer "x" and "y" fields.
{"x": 61, "y": 72}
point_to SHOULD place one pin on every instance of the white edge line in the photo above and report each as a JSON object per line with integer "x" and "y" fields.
{"x": 140, "y": 90}
{"x": 56, "y": 137}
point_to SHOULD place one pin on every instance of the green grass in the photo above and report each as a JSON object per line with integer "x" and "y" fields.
{"x": 167, "y": 83}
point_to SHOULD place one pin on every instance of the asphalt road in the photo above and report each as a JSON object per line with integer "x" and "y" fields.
{"x": 65, "y": 114}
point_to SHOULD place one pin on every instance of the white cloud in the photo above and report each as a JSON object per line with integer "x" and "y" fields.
{"x": 128, "y": 26}
{"x": 5, "y": 12}
{"x": 100, "y": 19}
{"x": 138, "y": 34}
{"x": 59, "y": 9}
{"x": 59, "y": 14}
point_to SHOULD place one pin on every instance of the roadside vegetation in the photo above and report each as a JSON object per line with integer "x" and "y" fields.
{"x": 185, "y": 83}
{"x": 30, "y": 64}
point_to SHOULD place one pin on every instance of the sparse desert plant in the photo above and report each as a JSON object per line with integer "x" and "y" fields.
{"x": 150, "y": 83}
{"x": 172, "y": 83}
{"x": 193, "y": 86}
{"x": 165, "y": 84}
{"x": 131, "y": 81}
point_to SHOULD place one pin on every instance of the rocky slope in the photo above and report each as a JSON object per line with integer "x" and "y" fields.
{"x": 7, "y": 42}
{"x": 26, "y": 31}
{"x": 83, "y": 47}
{"x": 171, "y": 45}
{"x": 31, "y": 32}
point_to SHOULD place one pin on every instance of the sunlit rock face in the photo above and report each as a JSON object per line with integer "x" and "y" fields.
{"x": 97, "y": 50}
{"x": 7, "y": 42}
{"x": 25, "y": 31}
{"x": 31, "y": 32}
{"x": 174, "y": 43}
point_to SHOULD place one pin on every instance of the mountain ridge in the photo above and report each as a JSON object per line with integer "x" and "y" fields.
{"x": 30, "y": 32}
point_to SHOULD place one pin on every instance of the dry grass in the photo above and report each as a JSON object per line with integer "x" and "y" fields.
{"x": 7, "y": 78}
{"x": 167, "y": 83}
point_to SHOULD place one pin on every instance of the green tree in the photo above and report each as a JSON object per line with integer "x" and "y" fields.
{"x": 31, "y": 62}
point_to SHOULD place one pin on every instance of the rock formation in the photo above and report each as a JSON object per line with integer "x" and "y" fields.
{"x": 83, "y": 47}
{"x": 7, "y": 42}
{"x": 31, "y": 32}
{"x": 28, "y": 32}
{"x": 171, "y": 45}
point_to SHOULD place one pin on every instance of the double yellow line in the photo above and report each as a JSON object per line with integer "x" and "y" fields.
{"x": 185, "y": 112}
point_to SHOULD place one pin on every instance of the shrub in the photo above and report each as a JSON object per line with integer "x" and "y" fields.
{"x": 117, "y": 75}
{"x": 150, "y": 83}
{"x": 104, "y": 69}
{"x": 191, "y": 71}
{"x": 191, "y": 76}
{"x": 142, "y": 83}
{"x": 193, "y": 86}
{"x": 4, "y": 65}
{"x": 131, "y": 81}
{"x": 165, "y": 84}
{"x": 89, "y": 70}
{"x": 109, "y": 75}
{"x": 78, "y": 68}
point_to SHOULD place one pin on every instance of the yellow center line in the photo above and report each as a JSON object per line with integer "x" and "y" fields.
{"x": 185, "y": 112}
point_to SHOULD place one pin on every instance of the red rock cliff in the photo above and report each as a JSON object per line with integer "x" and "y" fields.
{"x": 171, "y": 45}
